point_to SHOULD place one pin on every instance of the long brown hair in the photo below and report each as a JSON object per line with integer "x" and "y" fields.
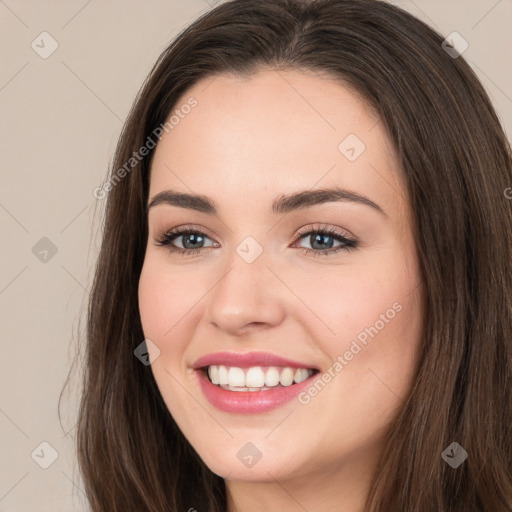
{"x": 456, "y": 164}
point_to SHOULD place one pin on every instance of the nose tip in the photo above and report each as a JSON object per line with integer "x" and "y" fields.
{"x": 241, "y": 321}
{"x": 243, "y": 301}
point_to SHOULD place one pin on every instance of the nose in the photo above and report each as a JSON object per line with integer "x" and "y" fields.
{"x": 247, "y": 297}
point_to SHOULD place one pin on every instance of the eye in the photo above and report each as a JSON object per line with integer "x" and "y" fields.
{"x": 321, "y": 239}
{"x": 192, "y": 240}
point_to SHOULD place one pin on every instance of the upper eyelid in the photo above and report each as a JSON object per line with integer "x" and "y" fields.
{"x": 335, "y": 231}
{"x": 179, "y": 231}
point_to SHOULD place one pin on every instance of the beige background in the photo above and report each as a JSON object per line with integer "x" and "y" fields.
{"x": 60, "y": 119}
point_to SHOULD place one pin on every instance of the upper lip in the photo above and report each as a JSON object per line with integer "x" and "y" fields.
{"x": 248, "y": 359}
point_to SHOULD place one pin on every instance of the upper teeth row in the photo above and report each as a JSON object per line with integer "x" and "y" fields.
{"x": 256, "y": 376}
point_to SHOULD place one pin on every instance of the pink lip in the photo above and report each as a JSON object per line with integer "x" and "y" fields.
{"x": 250, "y": 402}
{"x": 245, "y": 360}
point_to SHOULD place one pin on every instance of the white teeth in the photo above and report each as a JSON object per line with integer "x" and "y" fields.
{"x": 286, "y": 378}
{"x": 301, "y": 374}
{"x": 223, "y": 374}
{"x": 243, "y": 389}
{"x": 236, "y": 377}
{"x": 256, "y": 378}
{"x": 272, "y": 376}
{"x": 213, "y": 373}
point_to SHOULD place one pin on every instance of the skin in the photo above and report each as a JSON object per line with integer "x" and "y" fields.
{"x": 247, "y": 142}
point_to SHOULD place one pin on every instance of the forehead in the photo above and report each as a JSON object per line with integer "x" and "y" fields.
{"x": 248, "y": 139}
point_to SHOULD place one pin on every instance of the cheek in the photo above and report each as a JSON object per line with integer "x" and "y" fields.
{"x": 377, "y": 327}
{"x": 346, "y": 302}
{"x": 370, "y": 317}
{"x": 166, "y": 295}
{"x": 164, "y": 300}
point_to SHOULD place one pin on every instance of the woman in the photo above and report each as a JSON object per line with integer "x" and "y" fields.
{"x": 303, "y": 295}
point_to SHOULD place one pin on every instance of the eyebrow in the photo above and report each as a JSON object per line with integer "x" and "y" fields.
{"x": 283, "y": 204}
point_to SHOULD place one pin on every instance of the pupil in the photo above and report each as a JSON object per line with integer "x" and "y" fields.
{"x": 193, "y": 237}
{"x": 321, "y": 237}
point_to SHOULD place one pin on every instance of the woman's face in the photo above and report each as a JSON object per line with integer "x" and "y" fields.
{"x": 257, "y": 278}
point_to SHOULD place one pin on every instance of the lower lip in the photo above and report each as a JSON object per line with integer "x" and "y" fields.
{"x": 250, "y": 402}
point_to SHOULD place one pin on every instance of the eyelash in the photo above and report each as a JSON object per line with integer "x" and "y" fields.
{"x": 349, "y": 244}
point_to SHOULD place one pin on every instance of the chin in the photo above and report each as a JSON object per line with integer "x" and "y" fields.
{"x": 234, "y": 465}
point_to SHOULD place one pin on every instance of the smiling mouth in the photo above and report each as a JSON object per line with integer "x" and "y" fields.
{"x": 257, "y": 378}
